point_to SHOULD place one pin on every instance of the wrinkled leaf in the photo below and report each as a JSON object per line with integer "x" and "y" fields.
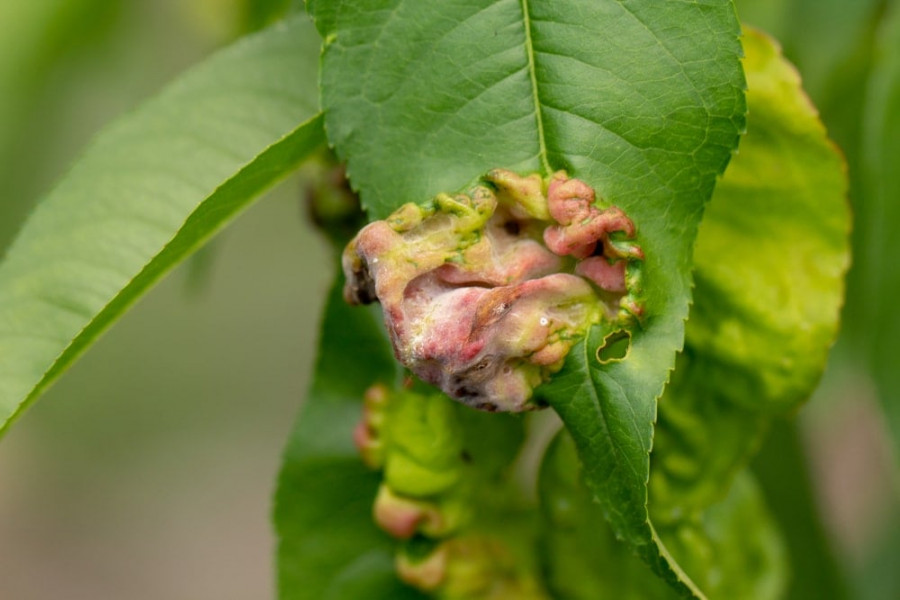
{"x": 325, "y": 497}
{"x": 773, "y": 248}
{"x": 149, "y": 190}
{"x": 323, "y": 505}
{"x": 832, "y": 42}
{"x": 732, "y": 549}
{"x": 643, "y": 100}
{"x": 770, "y": 259}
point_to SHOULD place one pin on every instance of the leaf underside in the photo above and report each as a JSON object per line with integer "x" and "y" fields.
{"x": 149, "y": 190}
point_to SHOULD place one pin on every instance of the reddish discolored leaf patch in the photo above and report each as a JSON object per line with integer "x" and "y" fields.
{"x": 484, "y": 293}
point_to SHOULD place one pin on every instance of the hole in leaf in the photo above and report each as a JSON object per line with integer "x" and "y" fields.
{"x": 615, "y": 347}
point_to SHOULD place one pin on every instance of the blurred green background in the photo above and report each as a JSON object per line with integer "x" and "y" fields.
{"x": 146, "y": 472}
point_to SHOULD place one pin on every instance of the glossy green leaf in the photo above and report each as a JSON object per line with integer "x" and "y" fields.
{"x": 149, "y": 190}
{"x": 732, "y": 549}
{"x": 643, "y": 100}
{"x": 879, "y": 224}
{"x": 323, "y": 505}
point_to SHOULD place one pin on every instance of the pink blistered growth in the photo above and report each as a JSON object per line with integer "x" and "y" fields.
{"x": 583, "y": 231}
{"x": 479, "y": 294}
{"x": 367, "y": 435}
{"x": 474, "y": 566}
{"x": 402, "y": 517}
{"x": 426, "y": 574}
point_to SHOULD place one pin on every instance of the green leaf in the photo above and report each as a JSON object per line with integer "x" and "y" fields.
{"x": 580, "y": 554}
{"x": 642, "y": 100}
{"x": 149, "y": 190}
{"x": 773, "y": 248}
{"x": 833, "y": 42}
{"x": 733, "y": 546}
{"x": 769, "y": 265}
{"x": 879, "y": 220}
{"x": 323, "y": 505}
{"x": 770, "y": 257}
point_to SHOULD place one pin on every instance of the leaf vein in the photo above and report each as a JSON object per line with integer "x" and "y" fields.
{"x": 532, "y": 71}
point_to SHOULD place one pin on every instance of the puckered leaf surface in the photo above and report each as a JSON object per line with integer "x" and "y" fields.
{"x": 770, "y": 259}
{"x": 328, "y": 542}
{"x": 643, "y": 100}
{"x": 732, "y": 549}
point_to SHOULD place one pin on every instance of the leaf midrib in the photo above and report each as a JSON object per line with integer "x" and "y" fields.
{"x": 532, "y": 73}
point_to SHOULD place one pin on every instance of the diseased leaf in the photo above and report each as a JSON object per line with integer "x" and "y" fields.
{"x": 833, "y": 44}
{"x": 773, "y": 248}
{"x": 579, "y": 552}
{"x": 642, "y": 100}
{"x": 429, "y": 449}
{"x": 150, "y": 189}
{"x": 701, "y": 442}
{"x": 770, "y": 259}
{"x": 323, "y": 505}
{"x": 732, "y": 548}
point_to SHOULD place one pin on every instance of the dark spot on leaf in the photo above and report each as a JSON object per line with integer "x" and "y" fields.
{"x": 465, "y": 391}
{"x": 512, "y": 227}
